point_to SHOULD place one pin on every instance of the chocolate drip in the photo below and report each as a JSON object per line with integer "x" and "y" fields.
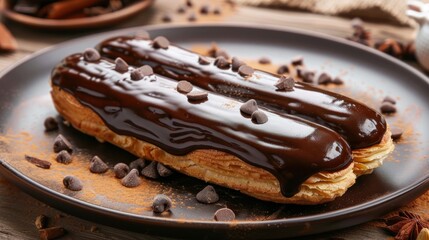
{"x": 358, "y": 124}
{"x": 152, "y": 110}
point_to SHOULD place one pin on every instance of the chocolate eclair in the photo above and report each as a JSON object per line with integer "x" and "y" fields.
{"x": 203, "y": 134}
{"x": 363, "y": 128}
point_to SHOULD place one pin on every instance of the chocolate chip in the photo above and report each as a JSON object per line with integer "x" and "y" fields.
{"x": 50, "y": 124}
{"x": 163, "y": 171}
{"x": 264, "y": 60}
{"x": 297, "y": 61}
{"x": 64, "y": 157}
{"x": 41, "y": 222}
{"x": 249, "y": 107}
{"x": 121, "y": 170}
{"x": 141, "y": 72}
{"x": 217, "y": 11}
{"x": 224, "y": 214}
{"x": 259, "y": 117}
{"x": 91, "y": 55}
{"x": 192, "y": 17}
{"x": 97, "y": 165}
{"x": 207, "y": 195}
{"x": 323, "y": 78}
{"x": 285, "y": 83}
{"x": 132, "y": 179}
{"x": 61, "y": 143}
{"x": 221, "y": 63}
{"x": 221, "y": 53}
{"x": 51, "y": 233}
{"x": 161, "y": 42}
{"x": 181, "y": 9}
{"x": 306, "y": 75}
{"x": 197, "y": 95}
{"x": 161, "y": 203}
{"x": 203, "y": 60}
{"x": 205, "y": 9}
{"x": 142, "y": 35}
{"x": 121, "y": 65}
{"x": 150, "y": 171}
{"x": 72, "y": 183}
{"x": 184, "y": 86}
{"x": 389, "y": 99}
{"x": 236, "y": 64}
{"x": 338, "y": 81}
{"x": 245, "y": 71}
{"x": 189, "y": 3}
{"x": 38, "y": 162}
{"x": 283, "y": 69}
{"x": 387, "y": 107}
{"x": 167, "y": 18}
{"x": 396, "y": 133}
{"x": 138, "y": 164}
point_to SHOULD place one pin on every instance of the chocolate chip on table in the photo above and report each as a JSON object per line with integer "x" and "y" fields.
{"x": 51, "y": 233}
{"x": 283, "y": 69}
{"x": 41, "y": 222}
{"x": 203, "y": 60}
{"x": 259, "y": 117}
{"x": 167, "y": 17}
{"x": 64, "y": 157}
{"x": 323, "y": 78}
{"x": 245, "y": 71}
{"x": 387, "y": 108}
{"x": 50, "y": 124}
{"x": 91, "y": 55}
{"x": 192, "y": 17}
{"x": 97, "y": 165}
{"x": 249, "y": 107}
{"x": 389, "y": 99}
{"x": 396, "y": 133}
{"x": 197, "y": 95}
{"x": 181, "y": 9}
{"x": 121, "y": 65}
{"x": 264, "y": 60}
{"x": 222, "y": 63}
{"x": 338, "y": 81}
{"x": 184, "y": 86}
{"x": 142, "y": 35}
{"x": 38, "y": 162}
{"x": 61, "y": 143}
{"x": 205, "y": 9}
{"x": 189, "y": 3}
{"x": 141, "y": 72}
{"x": 297, "y": 61}
{"x": 163, "y": 171}
{"x": 285, "y": 83}
{"x": 224, "y": 215}
{"x": 150, "y": 171}
{"x": 138, "y": 164}
{"x": 132, "y": 179}
{"x": 236, "y": 64}
{"x": 217, "y": 11}
{"x": 121, "y": 170}
{"x": 72, "y": 183}
{"x": 207, "y": 195}
{"x": 161, "y": 42}
{"x": 161, "y": 203}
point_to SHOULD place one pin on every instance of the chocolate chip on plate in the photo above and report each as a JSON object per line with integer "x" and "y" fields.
{"x": 396, "y": 133}
{"x": 141, "y": 72}
{"x": 61, "y": 143}
{"x": 338, "y": 81}
{"x": 387, "y": 107}
{"x": 197, "y": 95}
{"x": 283, "y": 69}
{"x": 184, "y": 86}
{"x": 203, "y": 60}
{"x": 224, "y": 214}
{"x": 264, "y": 60}
{"x": 161, "y": 203}
{"x": 249, "y": 107}
{"x": 64, "y": 157}
{"x": 163, "y": 171}
{"x": 259, "y": 117}
{"x": 323, "y": 78}
{"x": 138, "y": 164}
{"x": 91, "y": 55}
{"x": 245, "y": 71}
{"x": 220, "y": 53}
{"x": 121, "y": 170}
{"x": 389, "y": 99}
{"x": 285, "y": 83}
{"x": 207, "y": 195}
{"x": 142, "y": 35}
{"x": 97, "y": 165}
{"x": 306, "y": 75}
{"x": 132, "y": 179}
{"x": 72, "y": 183}
{"x": 297, "y": 61}
{"x": 161, "y": 42}
{"x": 50, "y": 124}
{"x": 222, "y": 63}
{"x": 236, "y": 64}
{"x": 150, "y": 171}
{"x": 121, "y": 65}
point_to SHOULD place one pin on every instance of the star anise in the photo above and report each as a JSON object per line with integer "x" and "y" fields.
{"x": 406, "y": 225}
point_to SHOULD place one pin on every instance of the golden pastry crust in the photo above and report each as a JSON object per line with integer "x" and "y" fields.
{"x": 207, "y": 164}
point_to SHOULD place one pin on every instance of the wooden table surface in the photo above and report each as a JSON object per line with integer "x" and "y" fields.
{"x": 19, "y": 210}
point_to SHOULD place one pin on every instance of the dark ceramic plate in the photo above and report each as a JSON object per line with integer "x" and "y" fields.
{"x": 369, "y": 76}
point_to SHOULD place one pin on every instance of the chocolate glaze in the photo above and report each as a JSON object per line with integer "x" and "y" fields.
{"x": 152, "y": 110}
{"x": 360, "y": 125}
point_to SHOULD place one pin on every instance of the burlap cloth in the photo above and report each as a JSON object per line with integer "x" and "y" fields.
{"x": 392, "y": 11}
